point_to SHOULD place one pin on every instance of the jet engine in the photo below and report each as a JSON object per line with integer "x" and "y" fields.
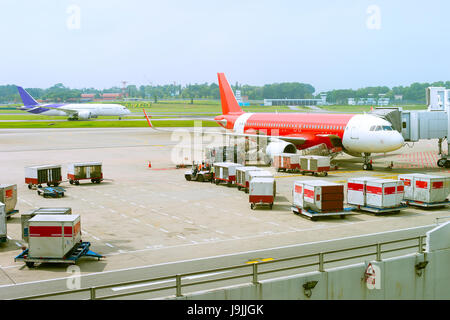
{"x": 277, "y": 147}
{"x": 84, "y": 115}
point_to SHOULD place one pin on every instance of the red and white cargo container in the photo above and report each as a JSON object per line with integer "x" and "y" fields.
{"x": 288, "y": 162}
{"x": 316, "y": 198}
{"x": 426, "y": 190}
{"x": 8, "y": 196}
{"x": 226, "y": 172}
{"x": 315, "y": 165}
{"x": 53, "y": 236}
{"x": 37, "y": 175}
{"x": 250, "y": 175}
{"x": 356, "y": 190}
{"x": 261, "y": 192}
{"x": 384, "y": 193}
{"x": 242, "y": 176}
{"x": 84, "y": 171}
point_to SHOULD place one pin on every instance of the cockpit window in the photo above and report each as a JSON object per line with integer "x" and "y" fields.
{"x": 387, "y": 128}
{"x": 378, "y": 128}
{"x": 372, "y": 128}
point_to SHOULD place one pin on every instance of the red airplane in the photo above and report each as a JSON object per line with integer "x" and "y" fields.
{"x": 358, "y": 135}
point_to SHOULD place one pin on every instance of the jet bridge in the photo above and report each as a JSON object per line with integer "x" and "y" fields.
{"x": 434, "y": 123}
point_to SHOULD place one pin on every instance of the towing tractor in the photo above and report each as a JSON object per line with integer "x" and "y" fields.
{"x": 199, "y": 173}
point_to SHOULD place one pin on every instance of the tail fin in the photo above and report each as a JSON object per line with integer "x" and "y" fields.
{"x": 26, "y": 98}
{"x": 229, "y": 103}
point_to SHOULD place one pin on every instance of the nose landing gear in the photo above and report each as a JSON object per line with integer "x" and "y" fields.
{"x": 367, "y": 162}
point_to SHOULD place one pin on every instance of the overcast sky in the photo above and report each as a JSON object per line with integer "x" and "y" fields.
{"x": 329, "y": 44}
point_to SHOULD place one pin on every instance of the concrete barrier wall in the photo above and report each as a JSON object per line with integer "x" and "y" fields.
{"x": 396, "y": 278}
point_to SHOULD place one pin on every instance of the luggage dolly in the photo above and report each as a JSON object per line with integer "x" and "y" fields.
{"x": 426, "y": 205}
{"x": 379, "y": 211}
{"x": 314, "y": 173}
{"x": 313, "y": 215}
{"x": 80, "y": 250}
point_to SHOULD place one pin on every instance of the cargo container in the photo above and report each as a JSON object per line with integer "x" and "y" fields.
{"x": 250, "y": 175}
{"x": 288, "y": 162}
{"x": 8, "y": 196}
{"x": 316, "y": 198}
{"x": 84, "y": 171}
{"x": 242, "y": 176}
{"x": 25, "y": 217}
{"x": 261, "y": 192}
{"x": 225, "y": 171}
{"x": 427, "y": 189}
{"x": 356, "y": 190}
{"x": 3, "y": 230}
{"x": 53, "y": 236}
{"x": 317, "y": 165}
{"x": 37, "y": 175}
{"x": 384, "y": 193}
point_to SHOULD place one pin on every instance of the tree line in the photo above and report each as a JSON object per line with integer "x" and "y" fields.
{"x": 295, "y": 90}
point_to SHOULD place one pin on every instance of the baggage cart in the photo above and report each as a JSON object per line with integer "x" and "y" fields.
{"x": 38, "y": 175}
{"x": 261, "y": 192}
{"x": 426, "y": 205}
{"x": 225, "y": 172}
{"x": 379, "y": 211}
{"x": 315, "y": 215}
{"x": 242, "y": 177}
{"x": 3, "y": 228}
{"x": 84, "y": 171}
{"x": 81, "y": 249}
{"x": 52, "y": 192}
{"x": 8, "y": 196}
{"x": 316, "y": 165}
{"x": 287, "y": 162}
{"x": 318, "y": 195}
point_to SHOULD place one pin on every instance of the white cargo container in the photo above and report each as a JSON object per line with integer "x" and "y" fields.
{"x": 315, "y": 164}
{"x": 225, "y": 171}
{"x": 256, "y": 173}
{"x": 8, "y": 196}
{"x": 25, "y": 217}
{"x": 84, "y": 171}
{"x": 426, "y": 188}
{"x": 384, "y": 193}
{"x": 3, "y": 231}
{"x": 53, "y": 236}
{"x": 242, "y": 176}
{"x": 262, "y": 191}
{"x": 37, "y": 175}
{"x": 356, "y": 190}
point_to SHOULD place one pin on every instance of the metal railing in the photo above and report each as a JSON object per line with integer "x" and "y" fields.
{"x": 319, "y": 260}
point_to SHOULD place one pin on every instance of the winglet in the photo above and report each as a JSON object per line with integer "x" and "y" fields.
{"x": 148, "y": 119}
{"x": 227, "y": 98}
{"x": 26, "y": 98}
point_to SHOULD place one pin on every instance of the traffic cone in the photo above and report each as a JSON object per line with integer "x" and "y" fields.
{"x": 149, "y": 164}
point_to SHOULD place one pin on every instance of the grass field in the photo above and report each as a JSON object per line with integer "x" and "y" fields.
{"x": 200, "y": 108}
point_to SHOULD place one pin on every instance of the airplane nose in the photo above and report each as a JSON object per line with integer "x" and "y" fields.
{"x": 397, "y": 140}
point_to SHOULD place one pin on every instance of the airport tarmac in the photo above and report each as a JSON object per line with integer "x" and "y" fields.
{"x": 142, "y": 216}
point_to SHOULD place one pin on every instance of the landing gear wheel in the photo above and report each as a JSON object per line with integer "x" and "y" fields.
{"x": 441, "y": 162}
{"x": 367, "y": 166}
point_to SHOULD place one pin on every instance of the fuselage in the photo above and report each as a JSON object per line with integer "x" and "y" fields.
{"x": 98, "y": 109}
{"x": 352, "y": 131}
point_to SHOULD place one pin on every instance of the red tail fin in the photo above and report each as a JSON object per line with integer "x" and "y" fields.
{"x": 229, "y": 103}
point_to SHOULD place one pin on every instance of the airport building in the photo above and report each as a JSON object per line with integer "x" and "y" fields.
{"x": 293, "y": 102}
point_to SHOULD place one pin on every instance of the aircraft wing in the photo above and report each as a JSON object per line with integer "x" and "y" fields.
{"x": 295, "y": 139}
{"x": 68, "y": 111}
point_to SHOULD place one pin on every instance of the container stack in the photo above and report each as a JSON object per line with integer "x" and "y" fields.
{"x": 37, "y": 175}
{"x": 425, "y": 190}
{"x": 318, "y": 197}
{"x": 25, "y": 217}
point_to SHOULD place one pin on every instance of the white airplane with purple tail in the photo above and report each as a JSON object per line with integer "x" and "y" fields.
{"x": 74, "y": 111}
